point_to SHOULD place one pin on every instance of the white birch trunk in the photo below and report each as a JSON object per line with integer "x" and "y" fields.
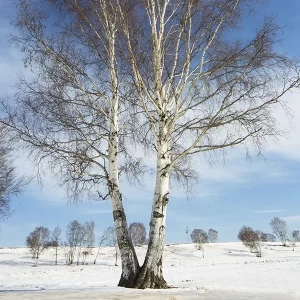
{"x": 151, "y": 275}
{"x": 130, "y": 265}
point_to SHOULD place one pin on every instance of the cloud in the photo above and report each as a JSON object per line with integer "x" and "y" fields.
{"x": 179, "y": 217}
{"x": 268, "y": 211}
{"x": 292, "y": 218}
{"x": 97, "y": 212}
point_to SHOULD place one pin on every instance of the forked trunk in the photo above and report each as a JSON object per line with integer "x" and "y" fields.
{"x": 151, "y": 275}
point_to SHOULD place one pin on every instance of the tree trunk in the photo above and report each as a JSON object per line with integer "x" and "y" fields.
{"x": 151, "y": 275}
{"x": 56, "y": 256}
{"x": 130, "y": 264}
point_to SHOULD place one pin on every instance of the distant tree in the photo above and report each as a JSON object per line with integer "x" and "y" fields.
{"x": 200, "y": 237}
{"x": 267, "y": 237}
{"x": 80, "y": 241}
{"x": 80, "y": 245}
{"x": 56, "y": 240}
{"x": 187, "y": 231}
{"x": 37, "y": 241}
{"x": 102, "y": 240}
{"x": 199, "y": 234}
{"x": 73, "y": 239}
{"x": 280, "y": 229}
{"x": 111, "y": 240}
{"x": 296, "y": 235}
{"x": 88, "y": 239}
{"x": 250, "y": 239}
{"x": 295, "y": 238}
{"x": 137, "y": 232}
{"x": 212, "y": 235}
{"x": 10, "y": 183}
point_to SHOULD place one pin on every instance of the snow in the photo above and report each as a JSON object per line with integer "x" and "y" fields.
{"x": 228, "y": 270}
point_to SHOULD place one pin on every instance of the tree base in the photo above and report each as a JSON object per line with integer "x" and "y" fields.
{"x": 128, "y": 281}
{"x": 148, "y": 279}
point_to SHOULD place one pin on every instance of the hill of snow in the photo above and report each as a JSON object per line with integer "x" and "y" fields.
{"x": 226, "y": 267}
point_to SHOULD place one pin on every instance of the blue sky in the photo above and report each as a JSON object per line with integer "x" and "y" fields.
{"x": 228, "y": 195}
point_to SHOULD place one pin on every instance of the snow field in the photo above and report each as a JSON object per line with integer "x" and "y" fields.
{"x": 227, "y": 267}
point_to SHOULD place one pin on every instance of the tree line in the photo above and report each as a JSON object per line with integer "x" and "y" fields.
{"x": 253, "y": 239}
{"x": 79, "y": 240}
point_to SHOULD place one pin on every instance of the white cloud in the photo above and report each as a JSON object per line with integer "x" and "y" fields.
{"x": 97, "y": 212}
{"x": 268, "y": 211}
{"x": 180, "y": 217}
{"x": 292, "y": 218}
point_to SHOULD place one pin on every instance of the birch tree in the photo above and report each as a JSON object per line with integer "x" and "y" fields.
{"x": 69, "y": 114}
{"x": 137, "y": 233}
{"x": 201, "y": 89}
{"x": 111, "y": 241}
{"x": 280, "y": 229}
{"x": 37, "y": 241}
{"x": 56, "y": 240}
{"x": 212, "y": 235}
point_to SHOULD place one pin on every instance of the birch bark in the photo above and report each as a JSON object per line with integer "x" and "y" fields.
{"x": 130, "y": 265}
{"x": 151, "y": 275}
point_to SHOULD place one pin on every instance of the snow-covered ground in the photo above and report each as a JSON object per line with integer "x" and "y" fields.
{"x": 227, "y": 269}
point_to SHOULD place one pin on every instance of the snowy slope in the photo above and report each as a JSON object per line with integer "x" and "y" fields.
{"x": 226, "y": 267}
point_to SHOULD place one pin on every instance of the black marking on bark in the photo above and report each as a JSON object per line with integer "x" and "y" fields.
{"x": 159, "y": 262}
{"x": 165, "y": 199}
{"x": 118, "y": 214}
{"x": 156, "y": 214}
{"x": 161, "y": 228}
{"x": 162, "y": 117}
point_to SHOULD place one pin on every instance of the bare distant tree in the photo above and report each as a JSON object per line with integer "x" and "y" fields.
{"x": 111, "y": 240}
{"x": 267, "y": 237}
{"x": 250, "y": 239}
{"x": 280, "y": 229}
{"x": 73, "y": 240}
{"x": 295, "y": 238}
{"x": 10, "y": 183}
{"x": 296, "y": 235}
{"x": 80, "y": 239}
{"x": 199, "y": 237}
{"x": 102, "y": 240}
{"x": 199, "y": 234}
{"x": 187, "y": 231}
{"x": 56, "y": 240}
{"x": 212, "y": 235}
{"x": 37, "y": 241}
{"x": 137, "y": 232}
{"x": 88, "y": 240}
